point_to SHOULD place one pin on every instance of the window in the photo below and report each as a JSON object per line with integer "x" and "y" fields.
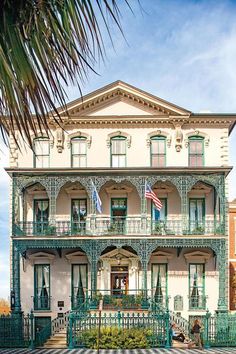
{"x": 42, "y": 287}
{"x": 159, "y": 283}
{"x": 158, "y": 151}
{"x": 196, "y": 151}
{"x": 79, "y": 152}
{"x": 197, "y": 286}
{"x": 197, "y": 215}
{"x": 160, "y": 215}
{"x": 118, "y": 151}
{"x": 78, "y": 215}
{"x": 41, "y": 152}
{"x": 79, "y": 284}
{"x": 41, "y": 215}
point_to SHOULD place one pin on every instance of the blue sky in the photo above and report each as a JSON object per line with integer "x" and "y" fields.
{"x": 181, "y": 51}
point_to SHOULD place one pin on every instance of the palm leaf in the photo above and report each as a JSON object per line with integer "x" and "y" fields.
{"x": 44, "y": 45}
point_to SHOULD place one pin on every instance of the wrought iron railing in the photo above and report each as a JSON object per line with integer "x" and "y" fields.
{"x": 129, "y": 226}
{"x": 15, "y": 330}
{"x": 42, "y": 303}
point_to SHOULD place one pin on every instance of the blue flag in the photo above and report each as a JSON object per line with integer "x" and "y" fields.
{"x": 96, "y": 198}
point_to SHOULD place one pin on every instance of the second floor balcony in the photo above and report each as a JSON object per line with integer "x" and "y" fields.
{"x": 64, "y": 205}
{"x": 129, "y": 226}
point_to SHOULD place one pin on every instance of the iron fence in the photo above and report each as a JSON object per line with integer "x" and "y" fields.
{"x": 15, "y": 330}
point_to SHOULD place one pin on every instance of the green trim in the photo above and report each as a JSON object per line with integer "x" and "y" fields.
{"x": 36, "y": 308}
{"x": 201, "y": 227}
{"x": 118, "y": 137}
{"x": 192, "y": 139}
{"x": 34, "y": 154}
{"x": 202, "y": 305}
{"x": 77, "y": 138}
{"x": 125, "y": 208}
{"x": 158, "y": 138}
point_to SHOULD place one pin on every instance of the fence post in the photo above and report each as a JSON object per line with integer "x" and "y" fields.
{"x": 206, "y": 330}
{"x": 71, "y": 320}
{"x": 119, "y": 318}
{"x": 167, "y": 325}
{"x": 31, "y": 318}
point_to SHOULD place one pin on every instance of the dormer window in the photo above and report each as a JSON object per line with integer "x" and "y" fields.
{"x": 196, "y": 151}
{"x": 41, "y": 152}
{"x": 118, "y": 151}
{"x": 158, "y": 151}
{"x": 79, "y": 152}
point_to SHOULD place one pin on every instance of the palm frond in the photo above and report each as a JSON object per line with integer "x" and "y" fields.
{"x": 44, "y": 46}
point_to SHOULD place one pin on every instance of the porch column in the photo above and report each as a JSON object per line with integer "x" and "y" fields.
{"x": 16, "y": 278}
{"x": 144, "y": 264}
{"x": 184, "y": 204}
{"x": 222, "y": 266}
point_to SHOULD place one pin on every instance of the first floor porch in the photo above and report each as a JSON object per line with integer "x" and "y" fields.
{"x": 54, "y": 277}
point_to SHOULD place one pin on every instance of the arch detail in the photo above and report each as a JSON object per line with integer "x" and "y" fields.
{"x": 79, "y": 134}
{"x": 198, "y": 133}
{"x": 118, "y": 133}
{"x": 158, "y": 133}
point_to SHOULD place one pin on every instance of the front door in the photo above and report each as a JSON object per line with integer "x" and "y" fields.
{"x": 119, "y": 280}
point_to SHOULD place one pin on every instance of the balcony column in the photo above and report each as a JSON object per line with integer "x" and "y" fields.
{"x": 144, "y": 221}
{"x": 184, "y": 204}
{"x": 16, "y": 278}
{"x": 222, "y": 267}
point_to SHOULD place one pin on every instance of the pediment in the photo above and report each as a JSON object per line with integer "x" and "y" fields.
{"x": 41, "y": 257}
{"x": 119, "y": 253}
{"x": 121, "y": 99}
{"x": 197, "y": 256}
{"x": 118, "y": 188}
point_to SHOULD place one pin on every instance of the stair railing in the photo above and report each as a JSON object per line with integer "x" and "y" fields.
{"x": 180, "y": 322}
{"x": 59, "y": 323}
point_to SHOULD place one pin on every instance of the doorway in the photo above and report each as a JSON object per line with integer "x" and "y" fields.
{"x": 119, "y": 280}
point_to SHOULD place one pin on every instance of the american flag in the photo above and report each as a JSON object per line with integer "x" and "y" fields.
{"x": 151, "y": 195}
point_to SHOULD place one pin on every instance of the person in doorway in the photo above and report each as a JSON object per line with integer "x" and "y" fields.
{"x": 196, "y": 334}
{"x": 179, "y": 337}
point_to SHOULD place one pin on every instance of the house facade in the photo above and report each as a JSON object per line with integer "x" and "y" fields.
{"x": 111, "y": 145}
{"x": 232, "y": 255}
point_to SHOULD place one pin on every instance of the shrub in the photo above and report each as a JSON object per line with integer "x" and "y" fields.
{"x": 115, "y": 338}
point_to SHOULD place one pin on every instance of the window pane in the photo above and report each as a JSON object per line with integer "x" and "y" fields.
{"x": 82, "y": 161}
{"x": 121, "y": 161}
{"x": 155, "y": 160}
{"x": 82, "y": 147}
{"x": 199, "y": 161}
{"x": 154, "y": 146}
{"x": 75, "y": 161}
{"x": 161, "y": 146}
{"x": 198, "y": 147}
{"x": 161, "y": 160}
{"x": 118, "y": 146}
{"x": 192, "y": 161}
{"x": 192, "y": 147}
{"x": 75, "y": 147}
{"x": 115, "y": 161}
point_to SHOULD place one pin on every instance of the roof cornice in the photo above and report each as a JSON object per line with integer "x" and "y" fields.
{"x": 144, "y": 171}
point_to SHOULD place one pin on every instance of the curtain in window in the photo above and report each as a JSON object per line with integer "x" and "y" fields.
{"x": 159, "y": 282}
{"x": 196, "y": 285}
{"x": 79, "y": 283}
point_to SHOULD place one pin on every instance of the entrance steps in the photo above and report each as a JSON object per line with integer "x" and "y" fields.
{"x": 57, "y": 341}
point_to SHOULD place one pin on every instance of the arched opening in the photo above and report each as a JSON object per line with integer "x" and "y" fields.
{"x": 204, "y": 209}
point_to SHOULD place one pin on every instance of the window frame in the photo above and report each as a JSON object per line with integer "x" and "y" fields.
{"x": 203, "y": 307}
{"x": 157, "y": 138}
{"x": 72, "y": 282}
{"x": 35, "y": 159}
{"x": 153, "y": 286}
{"x": 193, "y": 139}
{"x": 164, "y": 201}
{"x": 78, "y": 138}
{"x": 36, "y": 308}
{"x": 122, "y": 138}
